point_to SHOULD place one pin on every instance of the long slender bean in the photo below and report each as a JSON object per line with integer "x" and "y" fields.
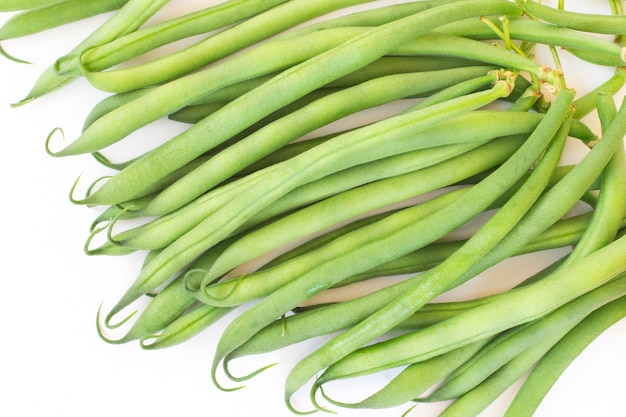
{"x": 18, "y": 5}
{"x": 414, "y": 380}
{"x": 123, "y": 49}
{"x": 332, "y": 156}
{"x": 555, "y": 197}
{"x": 587, "y": 103}
{"x": 476, "y": 400}
{"x": 561, "y": 196}
{"x": 582, "y": 276}
{"x": 192, "y": 88}
{"x": 317, "y": 114}
{"x": 612, "y": 201}
{"x": 508, "y": 345}
{"x": 341, "y": 208}
{"x": 538, "y": 32}
{"x": 327, "y": 273}
{"x": 319, "y": 320}
{"x": 285, "y": 88}
{"x": 464, "y": 128}
{"x": 553, "y": 363}
{"x": 584, "y": 22}
{"x": 167, "y": 305}
{"x": 460, "y": 129}
{"x": 38, "y": 20}
{"x": 256, "y": 29}
{"x": 131, "y": 16}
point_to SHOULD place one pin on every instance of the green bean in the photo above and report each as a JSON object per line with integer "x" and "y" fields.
{"x": 18, "y": 5}
{"x": 549, "y": 329}
{"x": 357, "y": 255}
{"x": 419, "y": 261}
{"x": 192, "y": 114}
{"x": 369, "y": 17}
{"x": 155, "y": 235}
{"x": 414, "y": 380}
{"x": 564, "y": 194}
{"x": 40, "y": 19}
{"x": 584, "y": 22}
{"x": 553, "y": 363}
{"x": 220, "y": 45}
{"x": 534, "y": 31}
{"x": 283, "y": 89}
{"x": 384, "y": 67}
{"x": 332, "y": 156}
{"x": 164, "y": 308}
{"x": 520, "y": 306}
{"x": 341, "y": 208}
{"x": 554, "y": 203}
{"x": 184, "y": 91}
{"x": 388, "y": 65}
{"x": 461, "y": 129}
{"x": 587, "y": 103}
{"x": 148, "y": 38}
{"x": 311, "y": 116}
{"x": 331, "y": 318}
{"x": 184, "y": 327}
{"x": 611, "y": 204}
{"x": 479, "y": 398}
{"x": 110, "y": 103}
{"x": 131, "y": 16}
{"x": 456, "y": 128}
{"x": 248, "y": 287}
{"x": 229, "y": 41}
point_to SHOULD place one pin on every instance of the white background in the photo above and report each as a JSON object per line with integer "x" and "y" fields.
{"x": 52, "y": 361}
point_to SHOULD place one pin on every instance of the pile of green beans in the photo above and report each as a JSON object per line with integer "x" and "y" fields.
{"x": 263, "y": 205}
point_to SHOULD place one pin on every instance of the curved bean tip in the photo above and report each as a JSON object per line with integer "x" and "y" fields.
{"x": 73, "y": 189}
{"x": 100, "y": 324}
{"x": 109, "y": 318}
{"x": 10, "y": 57}
{"x": 295, "y": 411}
{"x": 211, "y": 292}
{"x": 94, "y": 231}
{"x": 23, "y": 102}
{"x": 242, "y": 378}
{"x": 192, "y": 279}
{"x": 49, "y": 138}
{"x": 313, "y": 397}
{"x": 218, "y": 384}
{"x": 112, "y": 223}
{"x": 150, "y": 342}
